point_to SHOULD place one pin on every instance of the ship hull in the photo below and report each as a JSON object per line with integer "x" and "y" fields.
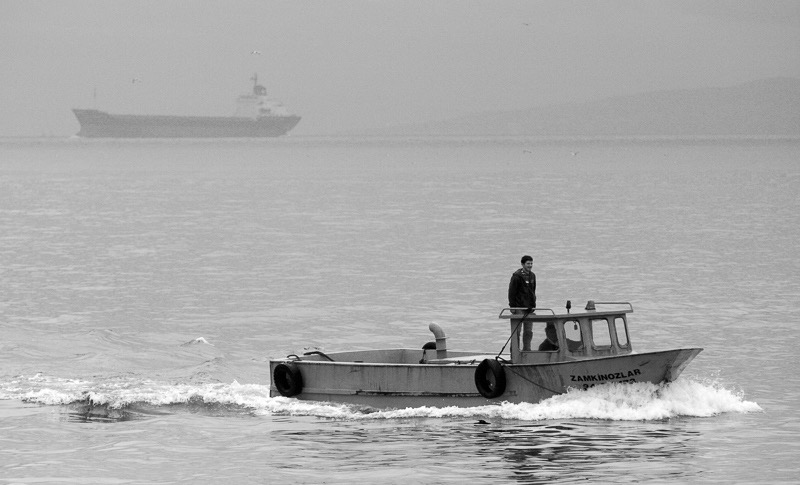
{"x": 99, "y": 124}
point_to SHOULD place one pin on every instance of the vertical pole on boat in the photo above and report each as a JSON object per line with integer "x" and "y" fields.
{"x": 516, "y": 326}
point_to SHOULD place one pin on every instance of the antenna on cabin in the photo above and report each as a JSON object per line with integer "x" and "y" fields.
{"x": 569, "y": 305}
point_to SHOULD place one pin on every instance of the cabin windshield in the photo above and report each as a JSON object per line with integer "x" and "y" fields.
{"x": 545, "y": 338}
{"x": 572, "y": 330}
{"x": 601, "y": 334}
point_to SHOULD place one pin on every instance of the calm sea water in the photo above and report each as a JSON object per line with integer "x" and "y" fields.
{"x": 146, "y": 284}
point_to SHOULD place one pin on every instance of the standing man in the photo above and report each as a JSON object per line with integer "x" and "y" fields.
{"x": 522, "y": 294}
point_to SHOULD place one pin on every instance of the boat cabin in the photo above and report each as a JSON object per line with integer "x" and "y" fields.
{"x": 541, "y": 335}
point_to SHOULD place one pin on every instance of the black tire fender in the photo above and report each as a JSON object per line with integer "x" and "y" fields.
{"x": 490, "y": 379}
{"x": 287, "y": 379}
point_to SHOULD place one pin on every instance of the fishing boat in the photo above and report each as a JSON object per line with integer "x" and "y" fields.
{"x": 579, "y": 350}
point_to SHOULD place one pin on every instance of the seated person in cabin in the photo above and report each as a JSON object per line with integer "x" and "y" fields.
{"x": 574, "y": 345}
{"x": 551, "y": 342}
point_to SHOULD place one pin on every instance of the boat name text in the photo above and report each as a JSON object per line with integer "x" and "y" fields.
{"x": 606, "y": 377}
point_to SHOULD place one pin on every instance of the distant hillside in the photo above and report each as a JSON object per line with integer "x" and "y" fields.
{"x": 769, "y": 107}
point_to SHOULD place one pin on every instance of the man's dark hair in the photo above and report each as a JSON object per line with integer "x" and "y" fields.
{"x": 525, "y": 259}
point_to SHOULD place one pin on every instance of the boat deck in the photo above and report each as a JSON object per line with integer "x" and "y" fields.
{"x": 395, "y": 356}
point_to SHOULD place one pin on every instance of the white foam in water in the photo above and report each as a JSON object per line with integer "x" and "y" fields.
{"x": 640, "y": 401}
{"x": 633, "y": 402}
{"x": 198, "y": 340}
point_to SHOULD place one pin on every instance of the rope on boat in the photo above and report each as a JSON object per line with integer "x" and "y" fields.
{"x": 515, "y": 332}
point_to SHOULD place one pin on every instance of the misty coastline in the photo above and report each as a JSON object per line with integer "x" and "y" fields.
{"x": 764, "y": 108}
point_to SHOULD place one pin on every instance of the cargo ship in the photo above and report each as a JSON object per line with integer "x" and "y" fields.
{"x": 257, "y": 116}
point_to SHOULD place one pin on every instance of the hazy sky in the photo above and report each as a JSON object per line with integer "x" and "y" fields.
{"x": 348, "y": 64}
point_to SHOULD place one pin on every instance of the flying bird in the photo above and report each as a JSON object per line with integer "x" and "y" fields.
{"x": 136, "y": 80}
{"x": 255, "y": 53}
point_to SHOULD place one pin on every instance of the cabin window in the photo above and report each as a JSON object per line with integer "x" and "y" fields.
{"x": 572, "y": 330}
{"x": 622, "y": 334}
{"x": 545, "y": 337}
{"x": 601, "y": 335}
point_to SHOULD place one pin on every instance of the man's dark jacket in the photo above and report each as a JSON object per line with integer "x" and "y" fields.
{"x": 522, "y": 289}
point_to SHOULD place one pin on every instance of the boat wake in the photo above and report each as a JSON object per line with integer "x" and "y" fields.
{"x": 124, "y": 398}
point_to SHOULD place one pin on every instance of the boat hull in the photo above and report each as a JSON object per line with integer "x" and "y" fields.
{"x": 99, "y": 124}
{"x": 452, "y": 383}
